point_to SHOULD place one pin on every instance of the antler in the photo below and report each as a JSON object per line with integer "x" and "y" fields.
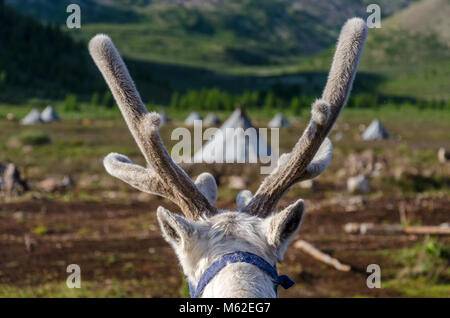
{"x": 303, "y": 162}
{"x": 163, "y": 177}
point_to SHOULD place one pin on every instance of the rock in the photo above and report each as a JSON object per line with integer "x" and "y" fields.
{"x": 67, "y": 182}
{"x": 399, "y": 172}
{"x": 27, "y": 149}
{"x": 11, "y": 117}
{"x": 428, "y": 172}
{"x": 338, "y": 136}
{"x": 29, "y": 243}
{"x": 443, "y": 155}
{"x": 361, "y": 128}
{"x": 12, "y": 181}
{"x": 308, "y": 184}
{"x": 49, "y": 185}
{"x": 354, "y": 203}
{"x": 19, "y": 215}
{"x": 86, "y": 181}
{"x": 55, "y": 185}
{"x": 359, "y": 184}
{"x": 238, "y": 183}
{"x": 360, "y": 163}
{"x": 13, "y": 143}
{"x": 341, "y": 173}
{"x": 143, "y": 197}
{"x": 365, "y": 163}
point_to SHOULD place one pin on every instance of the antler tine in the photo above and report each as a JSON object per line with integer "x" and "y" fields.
{"x": 165, "y": 178}
{"x": 303, "y": 163}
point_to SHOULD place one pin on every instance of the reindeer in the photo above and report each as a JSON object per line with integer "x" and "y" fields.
{"x": 228, "y": 253}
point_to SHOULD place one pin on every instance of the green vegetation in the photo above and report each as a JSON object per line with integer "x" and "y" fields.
{"x": 426, "y": 270}
{"x": 32, "y": 137}
{"x": 112, "y": 289}
{"x": 217, "y": 34}
{"x": 39, "y": 60}
{"x": 70, "y": 103}
{"x": 209, "y": 56}
{"x": 40, "y": 230}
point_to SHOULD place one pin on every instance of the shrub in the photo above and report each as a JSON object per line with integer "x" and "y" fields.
{"x": 33, "y": 138}
{"x": 108, "y": 101}
{"x": 95, "y": 100}
{"x": 40, "y": 230}
{"x": 70, "y": 103}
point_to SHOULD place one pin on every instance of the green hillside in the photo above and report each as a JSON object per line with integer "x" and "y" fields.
{"x": 283, "y": 46}
{"x": 39, "y": 60}
{"x": 220, "y": 35}
{"x": 411, "y": 52}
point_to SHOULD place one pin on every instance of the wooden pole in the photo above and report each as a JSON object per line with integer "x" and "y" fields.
{"x": 317, "y": 254}
{"x": 388, "y": 229}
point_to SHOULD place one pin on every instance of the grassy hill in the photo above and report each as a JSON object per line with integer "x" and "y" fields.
{"x": 39, "y": 59}
{"x": 410, "y": 53}
{"x": 221, "y": 35}
{"x": 247, "y": 45}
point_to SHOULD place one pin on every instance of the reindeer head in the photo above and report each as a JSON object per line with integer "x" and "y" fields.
{"x": 228, "y": 253}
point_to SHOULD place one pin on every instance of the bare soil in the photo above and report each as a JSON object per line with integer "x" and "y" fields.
{"x": 122, "y": 241}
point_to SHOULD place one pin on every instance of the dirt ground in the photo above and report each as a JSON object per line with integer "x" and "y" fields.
{"x": 110, "y": 229}
{"x": 115, "y": 242}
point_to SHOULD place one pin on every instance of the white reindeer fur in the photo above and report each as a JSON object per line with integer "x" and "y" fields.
{"x": 206, "y": 234}
{"x": 200, "y": 243}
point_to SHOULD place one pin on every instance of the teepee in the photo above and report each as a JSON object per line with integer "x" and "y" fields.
{"x": 375, "y": 131}
{"x": 164, "y": 119}
{"x": 211, "y": 120}
{"x": 33, "y": 117}
{"x": 279, "y": 121}
{"x": 191, "y": 118}
{"x": 49, "y": 115}
{"x": 236, "y": 141}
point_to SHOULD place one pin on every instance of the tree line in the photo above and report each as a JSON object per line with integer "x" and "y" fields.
{"x": 216, "y": 99}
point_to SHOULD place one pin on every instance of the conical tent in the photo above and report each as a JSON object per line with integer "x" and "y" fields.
{"x": 237, "y": 141}
{"x": 33, "y": 117}
{"x": 49, "y": 114}
{"x": 375, "y": 131}
{"x": 279, "y": 121}
{"x": 164, "y": 119}
{"x": 191, "y": 118}
{"x": 211, "y": 120}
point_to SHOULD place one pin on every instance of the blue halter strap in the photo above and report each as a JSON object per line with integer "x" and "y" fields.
{"x": 240, "y": 257}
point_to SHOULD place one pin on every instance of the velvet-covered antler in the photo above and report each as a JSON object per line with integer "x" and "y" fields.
{"x": 312, "y": 153}
{"x": 163, "y": 177}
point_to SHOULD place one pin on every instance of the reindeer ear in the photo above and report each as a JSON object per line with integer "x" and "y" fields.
{"x": 283, "y": 226}
{"x": 176, "y": 230}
